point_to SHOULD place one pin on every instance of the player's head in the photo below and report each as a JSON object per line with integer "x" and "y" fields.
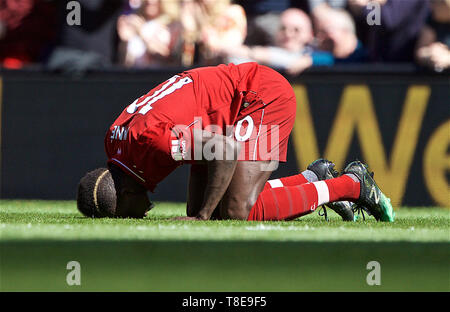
{"x": 109, "y": 192}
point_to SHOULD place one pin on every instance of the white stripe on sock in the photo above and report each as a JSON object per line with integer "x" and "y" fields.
{"x": 323, "y": 195}
{"x": 275, "y": 183}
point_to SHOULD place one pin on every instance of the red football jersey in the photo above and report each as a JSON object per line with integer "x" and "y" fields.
{"x": 145, "y": 138}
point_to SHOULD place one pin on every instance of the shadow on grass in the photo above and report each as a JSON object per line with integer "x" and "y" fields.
{"x": 223, "y": 266}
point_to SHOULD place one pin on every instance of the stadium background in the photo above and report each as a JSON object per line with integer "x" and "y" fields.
{"x": 393, "y": 117}
{"x": 63, "y": 80}
{"x": 371, "y": 85}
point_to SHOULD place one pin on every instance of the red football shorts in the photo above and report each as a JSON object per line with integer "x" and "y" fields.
{"x": 265, "y": 124}
{"x": 262, "y": 125}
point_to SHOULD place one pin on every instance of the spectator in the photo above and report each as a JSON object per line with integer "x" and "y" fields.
{"x": 336, "y": 33}
{"x": 262, "y": 20}
{"x": 335, "y": 4}
{"x": 210, "y": 26}
{"x": 90, "y": 45}
{"x": 27, "y": 28}
{"x": 295, "y": 30}
{"x": 148, "y": 36}
{"x": 433, "y": 47}
{"x": 394, "y": 40}
{"x": 290, "y": 53}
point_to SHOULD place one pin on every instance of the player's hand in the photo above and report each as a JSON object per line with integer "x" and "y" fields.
{"x": 186, "y": 219}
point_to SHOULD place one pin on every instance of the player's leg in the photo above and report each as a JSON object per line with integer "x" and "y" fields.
{"x": 320, "y": 169}
{"x": 263, "y": 128}
{"x": 356, "y": 185}
{"x": 246, "y": 199}
{"x": 297, "y": 179}
{"x": 290, "y": 202}
{"x": 247, "y": 183}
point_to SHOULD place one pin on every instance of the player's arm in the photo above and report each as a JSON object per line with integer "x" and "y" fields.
{"x": 220, "y": 173}
{"x": 221, "y": 160}
{"x": 198, "y": 178}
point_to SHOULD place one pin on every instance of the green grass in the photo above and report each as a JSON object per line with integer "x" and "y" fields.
{"x": 38, "y": 239}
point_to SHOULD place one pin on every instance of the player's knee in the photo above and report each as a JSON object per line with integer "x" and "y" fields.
{"x": 235, "y": 214}
{"x": 234, "y": 208}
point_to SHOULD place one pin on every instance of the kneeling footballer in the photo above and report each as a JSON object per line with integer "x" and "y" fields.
{"x": 231, "y": 123}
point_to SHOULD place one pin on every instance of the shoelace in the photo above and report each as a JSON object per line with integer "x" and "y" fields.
{"x": 324, "y": 213}
{"x": 355, "y": 208}
{"x": 360, "y": 210}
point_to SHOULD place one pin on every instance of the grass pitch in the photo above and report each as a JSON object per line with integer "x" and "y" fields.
{"x": 39, "y": 238}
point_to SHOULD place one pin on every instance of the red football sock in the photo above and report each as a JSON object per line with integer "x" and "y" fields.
{"x": 290, "y": 202}
{"x": 297, "y": 179}
{"x": 343, "y": 188}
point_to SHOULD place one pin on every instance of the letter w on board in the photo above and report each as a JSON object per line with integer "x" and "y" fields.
{"x": 356, "y": 114}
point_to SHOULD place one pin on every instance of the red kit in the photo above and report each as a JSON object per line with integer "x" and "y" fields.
{"x": 252, "y": 103}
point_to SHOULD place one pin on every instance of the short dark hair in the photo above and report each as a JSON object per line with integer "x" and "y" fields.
{"x": 96, "y": 196}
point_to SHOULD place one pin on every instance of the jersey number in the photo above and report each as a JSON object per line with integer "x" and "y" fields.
{"x": 248, "y": 131}
{"x": 169, "y": 87}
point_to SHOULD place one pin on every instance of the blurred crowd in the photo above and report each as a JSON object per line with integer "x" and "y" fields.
{"x": 289, "y": 35}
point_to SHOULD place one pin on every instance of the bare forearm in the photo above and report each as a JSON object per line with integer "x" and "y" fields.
{"x": 220, "y": 173}
{"x": 220, "y": 154}
{"x": 198, "y": 179}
